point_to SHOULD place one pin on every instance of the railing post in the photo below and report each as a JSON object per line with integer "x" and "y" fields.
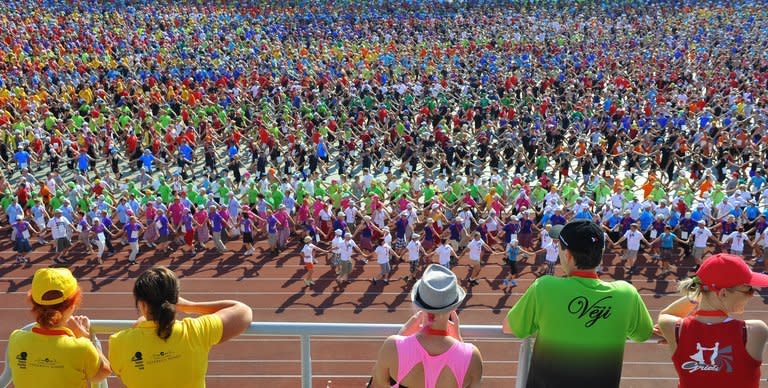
{"x": 524, "y": 362}
{"x": 306, "y": 362}
{"x": 5, "y": 378}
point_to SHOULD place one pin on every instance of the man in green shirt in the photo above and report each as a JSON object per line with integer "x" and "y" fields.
{"x": 541, "y": 165}
{"x": 580, "y": 322}
{"x": 165, "y": 191}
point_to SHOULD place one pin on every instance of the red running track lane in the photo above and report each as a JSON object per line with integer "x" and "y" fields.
{"x": 273, "y": 288}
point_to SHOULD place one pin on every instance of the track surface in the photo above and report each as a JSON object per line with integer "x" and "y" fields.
{"x": 273, "y": 287}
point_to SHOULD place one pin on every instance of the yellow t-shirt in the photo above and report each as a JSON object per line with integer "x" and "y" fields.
{"x": 51, "y": 358}
{"x": 142, "y": 359}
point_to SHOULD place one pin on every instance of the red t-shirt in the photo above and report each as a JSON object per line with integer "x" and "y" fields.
{"x": 714, "y": 355}
{"x": 23, "y": 196}
{"x": 98, "y": 189}
{"x": 131, "y": 143}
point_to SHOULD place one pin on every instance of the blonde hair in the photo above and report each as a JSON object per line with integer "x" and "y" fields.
{"x": 691, "y": 288}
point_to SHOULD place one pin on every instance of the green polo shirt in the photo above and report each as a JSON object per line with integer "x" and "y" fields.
{"x": 581, "y": 325}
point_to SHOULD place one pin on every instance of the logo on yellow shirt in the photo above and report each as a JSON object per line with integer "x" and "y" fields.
{"x": 21, "y": 360}
{"x": 138, "y": 361}
{"x": 163, "y": 356}
{"x": 46, "y": 363}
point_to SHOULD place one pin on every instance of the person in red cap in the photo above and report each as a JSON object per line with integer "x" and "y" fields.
{"x": 709, "y": 347}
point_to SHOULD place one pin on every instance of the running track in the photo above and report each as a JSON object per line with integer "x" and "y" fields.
{"x": 273, "y": 287}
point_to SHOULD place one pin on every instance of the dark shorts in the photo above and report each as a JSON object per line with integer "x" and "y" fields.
{"x": 414, "y": 266}
{"x": 63, "y": 243}
{"x": 399, "y": 243}
{"x": 512, "y": 267}
{"x": 667, "y": 254}
{"x": 247, "y": 238}
{"x": 525, "y": 239}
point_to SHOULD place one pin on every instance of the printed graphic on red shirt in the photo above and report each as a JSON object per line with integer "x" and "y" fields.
{"x": 710, "y": 359}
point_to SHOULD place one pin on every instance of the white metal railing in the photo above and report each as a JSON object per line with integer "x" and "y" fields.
{"x": 307, "y": 330}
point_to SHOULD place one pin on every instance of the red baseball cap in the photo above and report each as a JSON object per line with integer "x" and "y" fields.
{"x": 726, "y": 271}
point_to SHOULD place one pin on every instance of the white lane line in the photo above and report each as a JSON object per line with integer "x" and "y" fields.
{"x": 368, "y": 376}
{"x": 81, "y": 262}
{"x": 210, "y": 376}
{"x": 373, "y": 361}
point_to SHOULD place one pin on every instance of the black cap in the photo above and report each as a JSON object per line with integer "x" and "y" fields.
{"x": 582, "y": 236}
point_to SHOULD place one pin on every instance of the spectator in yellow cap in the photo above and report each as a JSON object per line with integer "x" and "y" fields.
{"x": 60, "y": 350}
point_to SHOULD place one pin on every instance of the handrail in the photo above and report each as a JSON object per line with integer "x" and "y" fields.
{"x": 307, "y": 330}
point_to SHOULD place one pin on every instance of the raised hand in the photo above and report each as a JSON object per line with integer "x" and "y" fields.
{"x": 80, "y": 325}
{"x": 414, "y": 324}
{"x": 453, "y": 326}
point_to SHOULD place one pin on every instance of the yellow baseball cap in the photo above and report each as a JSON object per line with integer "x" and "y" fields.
{"x": 53, "y": 279}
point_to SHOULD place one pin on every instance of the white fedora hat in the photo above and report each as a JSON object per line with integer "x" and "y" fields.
{"x": 437, "y": 291}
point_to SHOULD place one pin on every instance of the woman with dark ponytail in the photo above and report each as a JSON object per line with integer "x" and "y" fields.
{"x": 160, "y": 351}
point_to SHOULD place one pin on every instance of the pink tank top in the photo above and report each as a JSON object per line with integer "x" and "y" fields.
{"x": 410, "y": 353}
{"x": 150, "y": 214}
{"x": 303, "y": 213}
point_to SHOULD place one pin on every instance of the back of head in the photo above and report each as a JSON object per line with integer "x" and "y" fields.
{"x": 721, "y": 272}
{"x": 438, "y": 291}
{"x": 54, "y": 292}
{"x": 158, "y": 287}
{"x": 584, "y": 240}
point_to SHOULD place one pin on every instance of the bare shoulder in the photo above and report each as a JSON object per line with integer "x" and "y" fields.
{"x": 476, "y": 353}
{"x": 758, "y": 328}
{"x": 475, "y": 372}
{"x": 389, "y": 347}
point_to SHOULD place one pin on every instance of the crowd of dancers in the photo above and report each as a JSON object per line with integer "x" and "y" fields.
{"x": 405, "y": 130}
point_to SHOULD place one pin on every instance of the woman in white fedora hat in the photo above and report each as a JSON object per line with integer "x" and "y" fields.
{"x": 430, "y": 337}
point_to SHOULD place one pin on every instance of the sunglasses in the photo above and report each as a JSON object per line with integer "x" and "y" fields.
{"x": 751, "y": 291}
